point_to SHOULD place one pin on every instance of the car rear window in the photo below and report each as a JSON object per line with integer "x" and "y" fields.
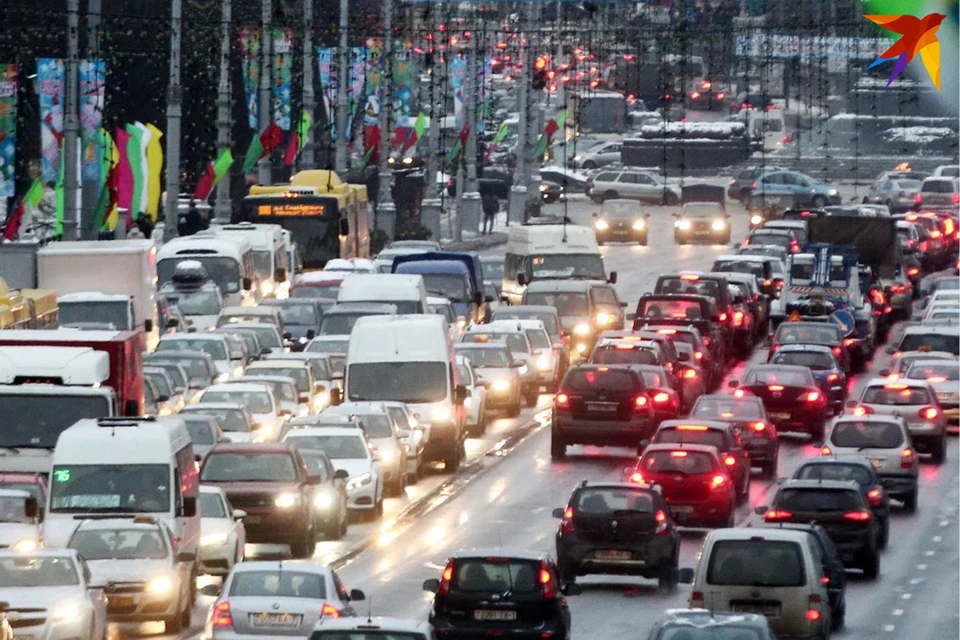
{"x": 938, "y": 186}
{"x": 328, "y": 346}
{"x": 496, "y": 575}
{"x": 930, "y": 342}
{"x": 813, "y": 360}
{"x": 624, "y": 354}
{"x": 278, "y": 584}
{"x": 726, "y": 632}
{"x": 549, "y": 320}
{"x": 817, "y": 500}
{"x": 838, "y": 471}
{"x": 756, "y": 563}
{"x": 787, "y": 377}
{"x": 709, "y": 437}
{"x": 700, "y": 287}
{"x": 609, "y": 501}
{"x": 934, "y": 372}
{"x": 896, "y": 395}
{"x": 687, "y": 462}
{"x": 249, "y": 467}
{"x": 806, "y": 334}
{"x": 876, "y": 435}
{"x": 727, "y": 408}
{"x": 686, "y": 309}
{"x": 614, "y": 380}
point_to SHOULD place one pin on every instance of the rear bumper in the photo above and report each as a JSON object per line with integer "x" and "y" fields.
{"x": 761, "y": 450}
{"x": 610, "y": 433}
{"x": 794, "y": 420}
{"x": 445, "y": 629}
{"x": 646, "y": 558}
{"x": 899, "y": 486}
{"x": 708, "y": 514}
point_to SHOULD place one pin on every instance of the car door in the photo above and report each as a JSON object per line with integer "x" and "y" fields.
{"x": 648, "y": 188}
{"x": 610, "y": 153}
{"x": 605, "y": 300}
{"x": 628, "y": 186}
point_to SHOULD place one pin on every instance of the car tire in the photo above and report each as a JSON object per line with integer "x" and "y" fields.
{"x": 818, "y": 202}
{"x": 732, "y": 518}
{"x": 816, "y": 435}
{"x": 642, "y": 241}
{"x": 910, "y": 501}
{"x": 566, "y": 575}
{"x": 870, "y": 564}
{"x": 838, "y": 620}
{"x": 174, "y": 624}
{"x": 939, "y": 452}
{"x": 668, "y": 578}
{"x": 588, "y": 165}
{"x": 866, "y": 200}
{"x": 670, "y": 199}
{"x": 185, "y": 618}
{"x": 744, "y": 195}
{"x": 532, "y": 395}
{"x": 558, "y": 448}
{"x": 599, "y": 242}
{"x": 414, "y": 478}
{"x": 610, "y": 195}
{"x": 302, "y": 548}
{"x": 514, "y": 409}
{"x": 378, "y": 510}
{"x": 769, "y": 469}
{"x": 884, "y": 536}
{"x": 451, "y": 461}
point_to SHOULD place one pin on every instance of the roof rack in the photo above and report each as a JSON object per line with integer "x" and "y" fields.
{"x": 124, "y": 421}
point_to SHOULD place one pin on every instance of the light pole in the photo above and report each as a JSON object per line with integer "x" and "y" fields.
{"x": 307, "y": 157}
{"x": 222, "y": 210}
{"x": 71, "y": 126}
{"x": 386, "y": 210}
{"x": 470, "y": 211}
{"x": 343, "y": 80}
{"x": 431, "y": 206}
{"x": 266, "y": 67}
{"x": 174, "y": 114}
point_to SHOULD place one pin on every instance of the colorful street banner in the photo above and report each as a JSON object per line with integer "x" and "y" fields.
{"x": 8, "y": 128}
{"x": 282, "y": 76}
{"x": 154, "y": 151}
{"x": 402, "y": 85}
{"x": 93, "y": 80}
{"x": 50, "y": 78}
{"x": 137, "y": 157}
{"x": 328, "y": 86}
{"x": 250, "y": 65}
{"x": 374, "y": 74}
{"x": 358, "y": 72}
{"x": 458, "y": 70}
{"x": 124, "y": 173}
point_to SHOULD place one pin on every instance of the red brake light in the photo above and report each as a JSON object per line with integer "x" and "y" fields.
{"x": 857, "y": 516}
{"x": 738, "y": 393}
{"x": 445, "y": 579}
{"x": 696, "y": 600}
{"x": 566, "y": 525}
{"x": 837, "y": 351}
{"x": 813, "y": 615}
{"x": 849, "y": 342}
{"x": 875, "y": 497}
{"x": 546, "y": 581}
{"x": 955, "y": 198}
{"x": 861, "y": 410}
{"x": 678, "y": 454}
{"x": 690, "y": 276}
{"x": 934, "y": 234}
{"x": 775, "y": 515}
{"x": 661, "y": 519}
{"x": 825, "y": 579}
{"x": 833, "y": 377}
{"x": 661, "y": 398}
{"x": 329, "y": 611}
{"x": 722, "y": 317}
{"x": 637, "y": 477}
{"x": 775, "y": 387}
{"x": 698, "y": 355}
{"x": 692, "y": 427}
{"x": 666, "y": 332}
{"x": 913, "y": 271}
{"x": 907, "y": 458}
{"x": 737, "y": 318}
{"x": 754, "y": 185}
{"x": 758, "y": 426}
{"x": 562, "y": 401}
{"x": 718, "y": 481}
{"x": 929, "y": 413}
{"x": 729, "y": 461}
{"x": 221, "y": 615}
{"x": 689, "y": 374}
{"x": 918, "y": 199}
{"x": 813, "y": 396}
{"x": 640, "y": 402}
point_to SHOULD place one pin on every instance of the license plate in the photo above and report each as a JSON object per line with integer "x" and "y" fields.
{"x": 768, "y": 610}
{"x": 780, "y": 415}
{"x": 22, "y": 637}
{"x": 252, "y": 520}
{"x": 494, "y": 614}
{"x": 120, "y": 601}
{"x": 601, "y": 407}
{"x": 944, "y": 396}
{"x": 681, "y": 508}
{"x": 275, "y": 620}
{"x": 611, "y": 555}
{"x": 877, "y": 463}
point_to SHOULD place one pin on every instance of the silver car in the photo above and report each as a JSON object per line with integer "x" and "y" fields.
{"x": 885, "y": 441}
{"x": 896, "y": 193}
{"x": 943, "y": 376}
{"x": 498, "y": 372}
{"x": 270, "y": 598}
{"x": 939, "y": 192}
{"x": 632, "y": 184}
{"x": 597, "y": 156}
{"x": 916, "y": 403}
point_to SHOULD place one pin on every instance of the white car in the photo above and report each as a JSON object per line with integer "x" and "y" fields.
{"x": 222, "y": 534}
{"x": 259, "y": 398}
{"x": 19, "y": 525}
{"x": 137, "y": 561}
{"x": 349, "y": 449}
{"x": 416, "y": 441}
{"x": 375, "y": 627}
{"x": 476, "y": 402}
{"x": 285, "y": 388}
{"x": 50, "y": 590}
{"x": 214, "y": 345}
{"x": 389, "y": 443}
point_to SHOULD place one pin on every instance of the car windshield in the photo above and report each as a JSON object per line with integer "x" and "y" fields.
{"x": 328, "y": 346}
{"x": 685, "y": 309}
{"x": 196, "y": 367}
{"x": 756, "y": 563}
{"x": 538, "y": 338}
{"x": 678, "y": 461}
{"x": 300, "y": 375}
{"x": 517, "y": 342}
{"x": 690, "y": 434}
{"x": 255, "y": 401}
{"x": 896, "y": 395}
{"x": 567, "y": 265}
{"x": 611, "y": 380}
{"x": 230, "y": 420}
{"x": 24, "y": 571}
{"x": 835, "y": 471}
{"x": 930, "y": 342}
{"x": 117, "y": 488}
{"x": 726, "y": 632}
{"x": 397, "y": 381}
{"x": 248, "y": 467}
{"x": 495, "y": 358}
{"x": 624, "y": 354}
{"x": 727, "y": 408}
{"x": 934, "y": 372}
{"x": 176, "y": 374}
{"x": 809, "y": 499}
{"x": 496, "y": 575}
{"x": 866, "y": 435}
{"x": 701, "y": 210}
{"x": 341, "y": 324}
{"x": 268, "y": 336}
{"x": 806, "y": 334}
{"x": 163, "y": 388}
{"x": 285, "y": 583}
{"x": 567, "y": 303}
{"x": 313, "y": 291}
{"x": 119, "y": 544}
{"x": 377, "y": 425}
{"x": 211, "y": 506}
{"x": 13, "y": 509}
{"x": 199, "y": 430}
{"x": 785, "y": 377}
{"x": 453, "y": 287}
{"x": 49, "y": 415}
{"x": 810, "y": 359}
{"x": 938, "y": 185}
{"x": 621, "y": 210}
{"x": 115, "y": 313}
{"x": 225, "y": 272}
{"x": 493, "y": 270}
{"x": 336, "y": 447}
{"x": 216, "y": 349}
{"x": 601, "y": 501}
{"x": 196, "y": 303}
{"x": 548, "y": 319}
{"x": 299, "y": 314}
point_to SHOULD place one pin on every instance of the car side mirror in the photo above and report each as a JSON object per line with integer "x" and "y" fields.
{"x": 311, "y": 334}
{"x": 189, "y": 507}
{"x": 850, "y": 403}
{"x": 685, "y": 575}
{"x": 516, "y": 364}
{"x": 761, "y": 510}
{"x": 884, "y": 372}
{"x": 288, "y": 336}
{"x": 558, "y": 512}
{"x": 522, "y": 279}
{"x": 357, "y": 595}
{"x": 30, "y": 508}
{"x": 247, "y": 284}
{"x": 280, "y": 275}
{"x": 432, "y": 585}
{"x": 314, "y": 478}
{"x": 239, "y": 514}
{"x": 572, "y": 589}
{"x": 210, "y": 590}
{"x": 344, "y": 227}
{"x": 613, "y": 277}
{"x": 488, "y": 299}
{"x": 186, "y": 556}
{"x": 148, "y": 325}
{"x": 172, "y": 323}
{"x": 891, "y": 350}
{"x": 630, "y": 317}
{"x": 733, "y": 384}
{"x": 341, "y": 474}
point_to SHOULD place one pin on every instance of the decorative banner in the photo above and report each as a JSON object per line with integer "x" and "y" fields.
{"x": 371, "y": 110}
{"x": 328, "y": 86}
{"x": 154, "y": 152}
{"x": 458, "y": 70}
{"x": 402, "y": 81}
{"x": 124, "y": 172}
{"x": 93, "y": 79}
{"x": 486, "y": 78}
{"x": 282, "y": 76}
{"x": 8, "y": 128}
{"x": 50, "y": 80}
{"x": 358, "y": 71}
{"x": 250, "y": 63}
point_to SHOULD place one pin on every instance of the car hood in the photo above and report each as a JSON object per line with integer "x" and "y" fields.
{"x": 353, "y": 468}
{"x": 13, "y": 532}
{"x": 106, "y": 571}
{"x": 569, "y": 322}
{"x": 215, "y": 526}
{"x": 203, "y": 323}
{"x": 254, "y": 487}
{"x": 486, "y": 374}
{"x": 37, "y": 597}
{"x": 238, "y": 436}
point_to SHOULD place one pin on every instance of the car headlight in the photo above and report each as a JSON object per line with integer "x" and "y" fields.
{"x": 162, "y": 584}
{"x": 523, "y": 370}
{"x": 237, "y": 372}
{"x": 440, "y": 414}
{"x": 302, "y": 340}
{"x": 604, "y": 318}
{"x": 386, "y": 455}
{"x": 577, "y": 158}
{"x": 718, "y": 225}
{"x": 500, "y": 385}
{"x": 832, "y": 192}
{"x": 266, "y": 287}
{"x": 582, "y": 329}
{"x": 639, "y": 225}
{"x": 602, "y": 225}
{"x": 27, "y": 545}
{"x": 213, "y": 539}
{"x": 323, "y": 500}
{"x": 68, "y": 611}
{"x": 683, "y": 225}
{"x": 581, "y": 348}
{"x": 359, "y": 481}
{"x": 543, "y": 187}
{"x": 286, "y": 500}
{"x": 545, "y": 362}
{"x": 756, "y": 219}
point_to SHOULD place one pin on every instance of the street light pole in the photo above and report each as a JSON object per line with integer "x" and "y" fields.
{"x": 266, "y": 69}
{"x": 307, "y": 155}
{"x": 470, "y": 211}
{"x": 222, "y": 210}
{"x": 431, "y": 206}
{"x": 174, "y": 114}
{"x": 343, "y": 80}
{"x": 71, "y": 126}
{"x": 386, "y": 210}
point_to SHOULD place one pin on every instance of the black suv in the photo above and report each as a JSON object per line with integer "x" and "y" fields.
{"x": 840, "y": 509}
{"x": 483, "y": 593}
{"x": 684, "y": 310}
{"x": 615, "y": 528}
{"x": 602, "y": 405}
{"x": 712, "y": 286}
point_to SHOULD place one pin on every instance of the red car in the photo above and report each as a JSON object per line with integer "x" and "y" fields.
{"x": 696, "y": 484}
{"x": 710, "y": 433}
{"x": 33, "y": 483}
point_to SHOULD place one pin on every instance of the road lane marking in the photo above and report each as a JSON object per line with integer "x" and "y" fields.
{"x": 938, "y": 538}
{"x": 916, "y": 580}
{"x": 921, "y": 567}
{"x": 888, "y": 628}
{"x": 906, "y": 596}
{"x": 928, "y": 553}
{"x": 898, "y": 612}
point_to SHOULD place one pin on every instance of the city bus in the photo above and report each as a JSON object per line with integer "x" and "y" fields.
{"x": 327, "y": 218}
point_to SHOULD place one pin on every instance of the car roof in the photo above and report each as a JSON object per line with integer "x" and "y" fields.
{"x": 705, "y": 618}
{"x": 251, "y": 447}
{"x": 499, "y": 346}
{"x": 209, "y": 488}
{"x": 748, "y": 533}
{"x": 497, "y": 552}
{"x": 937, "y": 329}
{"x": 207, "y": 406}
{"x": 907, "y": 382}
{"x": 676, "y": 446}
{"x": 235, "y": 386}
{"x": 355, "y": 307}
{"x": 100, "y": 524}
{"x": 577, "y": 286}
{"x": 872, "y": 418}
{"x": 716, "y": 425}
{"x": 837, "y": 460}
{"x": 324, "y": 431}
{"x": 281, "y": 565}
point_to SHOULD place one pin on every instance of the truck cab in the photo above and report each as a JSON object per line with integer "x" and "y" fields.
{"x": 196, "y": 296}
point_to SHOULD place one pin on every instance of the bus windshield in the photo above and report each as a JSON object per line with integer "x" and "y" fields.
{"x": 311, "y": 221}
{"x": 112, "y": 488}
{"x": 225, "y": 272}
{"x": 48, "y": 415}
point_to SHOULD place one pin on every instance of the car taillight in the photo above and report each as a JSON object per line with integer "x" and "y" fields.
{"x": 706, "y": 342}
{"x": 826, "y": 451}
{"x": 776, "y": 515}
{"x": 696, "y": 600}
{"x": 722, "y": 317}
{"x": 825, "y": 578}
{"x": 775, "y": 387}
{"x": 917, "y": 198}
{"x": 813, "y": 614}
{"x": 718, "y": 481}
{"x": 833, "y": 377}
{"x": 907, "y": 459}
{"x": 661, "y": 519}
{"x": 913, "y": 271}
{"x": 898, "y": 288}
{"x": 566, "y": 525}
{"x": 758, "y": 426}
{"x": 857, "y": 516}
{"x": 955, "y": 198}
{"x": 861, "y": 410}
{"x": 445, "y": 579}
{"x": 875, "y": 497}
{"x": 546, "y": 582}
{"x": 729, "y": 461}
{"x": 754, "y": 185}
{"x": 640, "y": 402}
{"x": 660, "y": 398}
{"x": 562, "y": 401}
{"x": 837, "y": 351}
{"x": 813, "y": 396}
{"x": 934, "y": 234}
{"x": 637, "y": 477}
{"x": 929, "y": 413}
{"x": 849, "y": 342}
{"x": 221, "y": 615}
{"x": 689, "y": 374}
{"x": 737, "y": 318}
{"x": 329, "y": 611}
{"x": 698, "y": 355}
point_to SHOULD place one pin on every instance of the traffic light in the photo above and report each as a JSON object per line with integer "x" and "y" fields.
{"x": 539, "y": 81}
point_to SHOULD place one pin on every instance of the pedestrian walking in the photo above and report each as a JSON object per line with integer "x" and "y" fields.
{"x": 491, "y": 206}
{"x": 193, "y": 221}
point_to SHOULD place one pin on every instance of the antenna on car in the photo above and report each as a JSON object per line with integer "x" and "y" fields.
{"x": 369, "y": 610}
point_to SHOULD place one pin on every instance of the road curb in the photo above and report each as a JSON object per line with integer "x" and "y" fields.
{"x": 473, "y": 244}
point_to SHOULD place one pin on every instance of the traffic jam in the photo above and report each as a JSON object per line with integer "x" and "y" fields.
{"x": 523, "y": 442}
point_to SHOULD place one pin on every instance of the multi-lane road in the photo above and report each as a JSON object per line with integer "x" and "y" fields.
{"x": 504, "y": 495}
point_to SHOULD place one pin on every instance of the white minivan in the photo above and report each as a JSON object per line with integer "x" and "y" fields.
{"x": 410, "y": 359}
{"x": 407, "y": 291}
{"x": 124, "y": 467}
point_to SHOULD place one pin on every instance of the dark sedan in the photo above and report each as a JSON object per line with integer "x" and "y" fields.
{"x": 790, "y": 395}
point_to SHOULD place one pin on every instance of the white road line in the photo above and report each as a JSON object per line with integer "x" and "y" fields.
{"x": 938, "y": 538}
{"x": 916, "y": 580}
{"x": 921, "y": 567}
{"x": 898, "y": 612}
{"x": 906, "y": 596}
{"x": 888, "y": 628}
{"x": 944, "y": 523}
{"x": 928, "y": 553}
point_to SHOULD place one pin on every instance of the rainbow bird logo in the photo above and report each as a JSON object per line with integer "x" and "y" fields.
{"x": 918, "y": 35}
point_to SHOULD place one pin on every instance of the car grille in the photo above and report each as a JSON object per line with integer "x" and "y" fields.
{"x": 22, "y": 618}
{"x": 604, "y": 531}
{"x": 114, "y": 588}
{"x": 254, "y": 500}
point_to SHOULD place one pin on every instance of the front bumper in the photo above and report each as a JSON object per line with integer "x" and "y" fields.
{"x": 501, "y": 399}
{"x": 216, "y": 559}
{"x": 443, "y": 436}
{"x": 363, "y": 498}
{"x": 141, "y": 606}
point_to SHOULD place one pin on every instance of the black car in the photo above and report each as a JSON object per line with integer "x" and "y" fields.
{"x": 693, "y": 624}
{"x": 711, "y": 285}
{"x": 834, "y": 574}
{"x": 617, "y": 528}
{"x": 684, "y": 310}
{"x": 551, "y": 192}
{"x": 860, "y": 471}
{"x": 712, "y": 434}
{"x": 301, "y": 318}
{"x": 571, "y": 181}
{"x": 602, "y": 405}
{"x": 621, "y": 221}
{"x": 749, "y": 420}
{"x": 792, "y": 398}
{"x": 840, "y": 509}
{"x": 496, "y": 592}
{"x": 824, "y": 333}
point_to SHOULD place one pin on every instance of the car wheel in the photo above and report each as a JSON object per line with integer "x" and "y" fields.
{"x": 414, "y": 477}
{"x": 816, "y": 436}
{"x": 599, "y": 242}
{"x": 769, "y": 469}
{"x": 174, "y": 624}
{"x": 884, "y": 534}
{"x": 451, "y": 461}
{"x": 332, "y": 530}
{"x": 732, "y": 518}
{"x": 610, "y": 195}
{"x": 744, "y": 195}
{"x": 870, "y": 564}
{"x": 558, "y": 448}
{"x": 567, "y": 576}
{"x": 678, "y": 240}
{"x": 939, "y": 453}
{"x": 514, "y": 409}
{"x": 866, "y": 200}
{"x": 669, "y": 577}
{"x": 837, "y": 622}
{"x": 185, "y": 616}
{"x": 589, "y": 164}
{"x": 818, "y": 202}
{"x": 532, "y": 395}
{"x": 910, "y": 502}
{"x": 345, "y": 524}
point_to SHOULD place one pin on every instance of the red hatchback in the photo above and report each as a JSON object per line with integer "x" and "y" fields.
{"x": 697, "y": 486}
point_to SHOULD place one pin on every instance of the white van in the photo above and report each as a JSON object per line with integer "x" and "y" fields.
{"x": 271, "y": 260}
{"x": 407, "y": 291}
{"x": 550, "y": 251}
{"x": 410, "y": 359}
{"x": 124, "y": 467}
{"x": 768, "y": 126}
{"x": 228, "y": 261}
